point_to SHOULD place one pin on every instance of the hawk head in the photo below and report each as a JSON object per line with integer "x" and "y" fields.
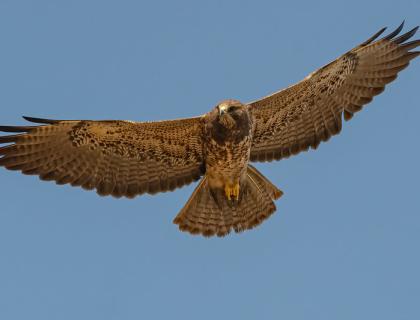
{"x": 231, "y": 113}
{"x": 228, "y": 121}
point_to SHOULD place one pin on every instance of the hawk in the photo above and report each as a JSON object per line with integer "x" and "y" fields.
{"x": 125, "y": 158}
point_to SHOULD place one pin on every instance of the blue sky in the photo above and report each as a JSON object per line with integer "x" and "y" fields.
{"x": 344, "y": 242}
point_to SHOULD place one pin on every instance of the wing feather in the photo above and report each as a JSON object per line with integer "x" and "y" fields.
{"x": 309, "y": 112}
{"x": 119, "y": 158}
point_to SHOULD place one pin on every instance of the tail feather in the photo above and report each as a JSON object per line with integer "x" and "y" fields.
{"x": 208, "y": 212}
{"x": 264, "y": 183}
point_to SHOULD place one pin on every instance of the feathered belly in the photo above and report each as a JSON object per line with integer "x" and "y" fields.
{"x": 226, "y": 163}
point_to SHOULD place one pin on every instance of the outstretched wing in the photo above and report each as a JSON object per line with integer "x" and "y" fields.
{"x": 303, "y": 115}
{"x": 119, "y": 158}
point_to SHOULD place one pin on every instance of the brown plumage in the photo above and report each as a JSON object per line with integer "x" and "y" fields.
{"x": 124, "y": 158}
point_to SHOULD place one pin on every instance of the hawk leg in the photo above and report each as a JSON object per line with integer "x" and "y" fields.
{"x": 232, "y": 191}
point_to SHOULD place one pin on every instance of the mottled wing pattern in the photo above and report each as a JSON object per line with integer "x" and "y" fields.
{"x": 303, "y": 115}
{"x": 119, "y": 158}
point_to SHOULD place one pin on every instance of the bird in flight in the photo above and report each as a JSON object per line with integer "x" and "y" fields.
{"x": 125, "y": 158}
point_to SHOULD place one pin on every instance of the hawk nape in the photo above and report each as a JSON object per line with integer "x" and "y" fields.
{"x": 124, "y": 158}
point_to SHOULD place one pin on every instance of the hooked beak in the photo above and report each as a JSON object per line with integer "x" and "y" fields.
{"x": 223, "y": 109}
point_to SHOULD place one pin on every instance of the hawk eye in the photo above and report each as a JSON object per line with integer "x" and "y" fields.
{"x": 234, "y": 108}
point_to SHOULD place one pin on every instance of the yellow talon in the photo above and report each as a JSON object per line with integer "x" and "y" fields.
{"x": 232, "y": 191}
{"x": 236, "y": 191}
{"x": 227, "y": 191}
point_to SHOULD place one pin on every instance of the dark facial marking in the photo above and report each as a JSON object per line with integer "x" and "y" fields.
{"x": 235, "y": 134}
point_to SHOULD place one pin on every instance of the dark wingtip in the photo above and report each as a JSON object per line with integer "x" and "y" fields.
{"x": 411, "y": 45}
{"x": 395, "y": 32}
{"x": 15, "y": 128}
{"x": 406, "y": 35}
{"x": 40, "y": 120}
{"x": 375, "y": 36}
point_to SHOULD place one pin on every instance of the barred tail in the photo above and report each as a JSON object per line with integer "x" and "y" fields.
{"x": 208, "y": 212}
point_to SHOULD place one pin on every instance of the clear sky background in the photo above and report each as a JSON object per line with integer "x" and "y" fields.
{"x": 344, "y": 243}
